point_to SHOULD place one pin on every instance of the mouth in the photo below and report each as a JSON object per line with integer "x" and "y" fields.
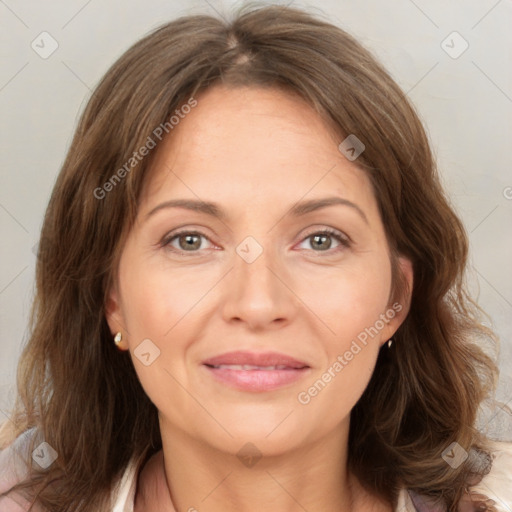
{"x": 247, "y": 371}
{"x": 252, "y": 367}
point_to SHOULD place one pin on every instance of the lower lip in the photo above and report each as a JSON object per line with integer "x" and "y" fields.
{"x": 257, "y": 380}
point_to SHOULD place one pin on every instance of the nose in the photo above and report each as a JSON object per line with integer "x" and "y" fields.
{"x": 258, "y": 293}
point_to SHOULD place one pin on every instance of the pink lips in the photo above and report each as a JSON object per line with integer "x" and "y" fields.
{"x": 250, "y": 371}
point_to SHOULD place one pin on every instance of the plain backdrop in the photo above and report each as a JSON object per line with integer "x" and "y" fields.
{"x": 453, "y": 58}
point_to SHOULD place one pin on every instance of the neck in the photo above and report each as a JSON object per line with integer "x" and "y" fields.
{"x": 312, "y": 477}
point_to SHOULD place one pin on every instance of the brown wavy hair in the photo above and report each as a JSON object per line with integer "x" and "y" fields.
{"x": 84, "y": 396}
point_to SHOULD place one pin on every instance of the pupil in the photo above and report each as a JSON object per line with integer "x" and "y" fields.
{"x": 321, "y": 238}
{"x": 189, "y": 242}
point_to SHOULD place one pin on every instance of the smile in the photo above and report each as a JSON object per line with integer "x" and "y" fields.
{"x": 255, "y": 372}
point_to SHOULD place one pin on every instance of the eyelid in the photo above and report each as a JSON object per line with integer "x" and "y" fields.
{"x": 166, "y": 240}
{"x": 342, "y": 238}
{"x": 345, "y": 242}
{"x": 330, "y": 231}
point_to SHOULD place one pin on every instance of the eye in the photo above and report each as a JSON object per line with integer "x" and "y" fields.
{"x": 191, "y": 241}
{"x": 322, "y": 240}
{"x": 187, "y": 241}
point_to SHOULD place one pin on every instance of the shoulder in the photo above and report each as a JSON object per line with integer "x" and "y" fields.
{"x": 14, "y": 470}
{"x": 497, "y": 483}
{"x": 123, "y": 494}
{"x": 13, "y": 460}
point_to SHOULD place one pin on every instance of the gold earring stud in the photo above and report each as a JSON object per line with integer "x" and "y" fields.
{"x": 118, "y": 338}
{"x": 390, "y": 342}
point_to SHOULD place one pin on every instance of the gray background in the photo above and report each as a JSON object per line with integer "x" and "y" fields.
{"x": 465, "y": 101}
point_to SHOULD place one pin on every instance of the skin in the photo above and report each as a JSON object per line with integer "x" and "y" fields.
{"x": 255, "y": 152}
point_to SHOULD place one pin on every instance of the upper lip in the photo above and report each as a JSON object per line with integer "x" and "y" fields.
{"x": 255, "y": 359}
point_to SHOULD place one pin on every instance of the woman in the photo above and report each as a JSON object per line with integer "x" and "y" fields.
{"x": 251, "y": 214}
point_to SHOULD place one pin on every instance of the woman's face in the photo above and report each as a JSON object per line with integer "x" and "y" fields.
{"x": 253, "y": 272}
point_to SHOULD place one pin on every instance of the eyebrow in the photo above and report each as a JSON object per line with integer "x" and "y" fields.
{"x": 297, "y": 210}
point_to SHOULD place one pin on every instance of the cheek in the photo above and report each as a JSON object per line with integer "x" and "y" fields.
{"x": 350, "y": 304}
{"x": 155, "y": 308}
{"x": 145, "y": 309}
{"x": 348, "y": 299}
{"x": 159, "y": 305}
{"x": 157, "y": 299}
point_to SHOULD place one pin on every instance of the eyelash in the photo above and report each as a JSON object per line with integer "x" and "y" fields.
{"x": 344, "y": 241}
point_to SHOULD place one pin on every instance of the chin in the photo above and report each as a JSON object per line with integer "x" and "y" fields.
{"x": 272, "y": 434}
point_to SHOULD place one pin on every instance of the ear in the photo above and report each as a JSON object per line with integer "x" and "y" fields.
{"x": 114, "y": 316}
{"x": 400, "y": 305}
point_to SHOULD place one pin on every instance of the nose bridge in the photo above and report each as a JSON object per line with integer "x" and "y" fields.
{"x": 256, "y": 293}
{"x": 253, "y": 263}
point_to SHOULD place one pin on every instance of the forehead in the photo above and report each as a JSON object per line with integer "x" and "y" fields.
{"x": 247, "y": 142}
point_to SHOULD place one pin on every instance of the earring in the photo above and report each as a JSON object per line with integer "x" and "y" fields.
{"x": 390, "y": 342}
{"x": 118, "y": 338}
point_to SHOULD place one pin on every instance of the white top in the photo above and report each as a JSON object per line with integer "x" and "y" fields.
{"x": 497, "y": 485}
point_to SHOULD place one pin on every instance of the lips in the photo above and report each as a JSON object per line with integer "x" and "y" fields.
{"x": 252, "y": 361}
{"x": 248, "y": 371}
